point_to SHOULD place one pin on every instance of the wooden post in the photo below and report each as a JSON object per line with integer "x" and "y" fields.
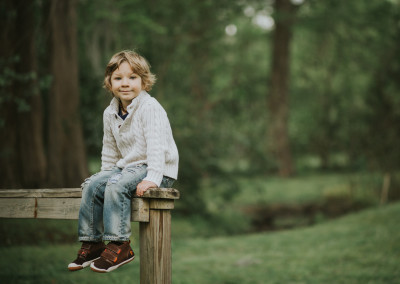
{"x": 155, "y": 244}
{"x": 152, "y": 211}
{"x": 155, "y": 238}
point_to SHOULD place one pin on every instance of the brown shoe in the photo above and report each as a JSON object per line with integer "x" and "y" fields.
{"x": 89, "y": 252}
{"x": 114, "y": 256}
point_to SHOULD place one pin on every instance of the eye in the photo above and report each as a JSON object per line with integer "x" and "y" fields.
{"x": 133, "y": 77}
{"x": 117, "y": 78}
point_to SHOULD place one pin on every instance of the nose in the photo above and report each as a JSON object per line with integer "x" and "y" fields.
{"x": 125, "y": 81}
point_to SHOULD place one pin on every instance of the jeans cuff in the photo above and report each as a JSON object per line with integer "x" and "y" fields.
{"x": 114, "y": 238}
{"x": 89, "y": 239}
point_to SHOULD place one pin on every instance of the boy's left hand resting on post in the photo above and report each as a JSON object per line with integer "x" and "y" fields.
{"x": 143, "y": 186}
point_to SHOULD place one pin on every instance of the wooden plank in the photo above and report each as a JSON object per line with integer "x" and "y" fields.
{"x": 163, "y": 193}
{"x": 161, "y": 204}
{"x": 64, "y": 203}
{"x": 140, "y": 210}
{"x": 17, "y": 208}
{"x": 68, "y": 208}
{"x": 42, "y": 208}
{"x": 58, "y": 208}
{"x": 54, "y": 192}
{"x": 155, "y": 248}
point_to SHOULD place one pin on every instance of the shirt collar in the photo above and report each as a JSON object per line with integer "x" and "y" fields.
{"x": 133, "y": 105}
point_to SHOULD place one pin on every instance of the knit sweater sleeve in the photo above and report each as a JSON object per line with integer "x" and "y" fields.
{"x": 110, "y": 153}
{"x": 155, "y": 125}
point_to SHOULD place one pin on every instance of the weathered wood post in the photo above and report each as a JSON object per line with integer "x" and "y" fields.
{"x": 155, "y": 235}
{"x": 155, "y": 247}
{"x": 152, "y": 211}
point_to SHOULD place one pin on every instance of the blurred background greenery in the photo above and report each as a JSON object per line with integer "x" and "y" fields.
{"x": 286, "y": 113}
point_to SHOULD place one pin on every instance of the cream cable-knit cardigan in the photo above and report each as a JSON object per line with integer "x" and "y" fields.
{"x": 144, "y": 137}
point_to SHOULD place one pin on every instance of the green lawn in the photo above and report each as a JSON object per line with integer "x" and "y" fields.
{"x": 308, "y": 188}
{"x": 360, "y": 248}
{"x": 229, "y": 202}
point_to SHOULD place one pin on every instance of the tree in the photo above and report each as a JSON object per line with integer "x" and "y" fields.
{"x": 23, "y": 160}
{"x": 23, "y": 123}
{"x": 66, "y": 151}
{"x": 278, "y": 97}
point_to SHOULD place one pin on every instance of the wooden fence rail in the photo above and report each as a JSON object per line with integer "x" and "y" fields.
{"x": 152, "y": 211}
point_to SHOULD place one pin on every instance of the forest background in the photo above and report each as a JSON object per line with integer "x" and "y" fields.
{"x": 253, "y": 90}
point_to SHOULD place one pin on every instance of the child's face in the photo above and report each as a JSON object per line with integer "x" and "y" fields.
{"x": 125, "y": 84}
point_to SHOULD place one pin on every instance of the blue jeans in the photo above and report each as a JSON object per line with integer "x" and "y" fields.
{"x": 105, "y": 212}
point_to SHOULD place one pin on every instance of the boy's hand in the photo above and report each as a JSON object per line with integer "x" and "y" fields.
{"x": 143, "y": 186}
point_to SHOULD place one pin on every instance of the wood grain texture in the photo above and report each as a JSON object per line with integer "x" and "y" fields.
{"x": 161, "y": 204}
{"x": 54, "y": 192}
{"x": 163, "y": 193}
{"x": 64, "y": 203}
{"x": 17, "y": 208}
{"x": 41, "y": 208}
{"x": 58, "y": 208}
{"x": 155, "y": 248}
{"x": 140, "y": 211}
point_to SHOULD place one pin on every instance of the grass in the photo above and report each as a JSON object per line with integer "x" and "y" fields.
{"x": 360, "y": 248}
{"x": 230, "y": 203}
{"x": 301, "y": 189}
{"x": 308, "y": 188}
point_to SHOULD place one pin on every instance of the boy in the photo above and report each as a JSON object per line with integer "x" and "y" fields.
{"x": 139, "y": 153}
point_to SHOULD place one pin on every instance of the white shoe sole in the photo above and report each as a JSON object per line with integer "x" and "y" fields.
{"x": 75, "y": 267}
{"x": 95, "y": 269}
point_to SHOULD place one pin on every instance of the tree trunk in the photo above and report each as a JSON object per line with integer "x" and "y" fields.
{"x": 66, "y": 153}
{"x": 23, "y": 161}
{"x": 30, "y": 123}
{"x": 278, "y": 98}
{"x": 8, "y": 164}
